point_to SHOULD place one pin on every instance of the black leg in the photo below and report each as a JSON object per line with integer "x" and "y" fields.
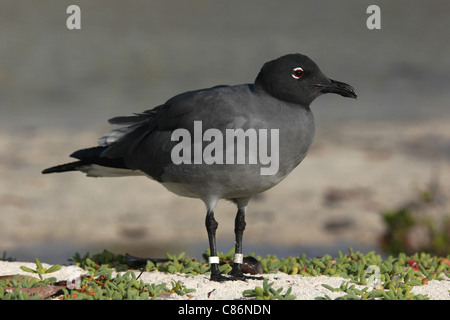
{"x": 239, "y": 227}
{"x": 211, "y": 227}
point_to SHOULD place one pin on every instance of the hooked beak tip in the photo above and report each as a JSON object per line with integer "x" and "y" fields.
{"x": 338, "y": 87}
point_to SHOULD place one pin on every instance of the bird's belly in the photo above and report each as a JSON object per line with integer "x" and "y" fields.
{"x": 226, "y": 181}
{"x": 253, "y": 174}
{"x": 233, "y": 185}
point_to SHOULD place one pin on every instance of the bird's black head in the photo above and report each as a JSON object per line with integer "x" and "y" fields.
{"x": 296, "y": 78}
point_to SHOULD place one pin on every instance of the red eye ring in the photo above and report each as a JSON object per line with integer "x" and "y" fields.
{"x": 297, "y": 73}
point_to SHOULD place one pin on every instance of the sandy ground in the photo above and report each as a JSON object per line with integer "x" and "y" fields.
{"x": 335, "y": 196}
{"x": 304, "y": 288}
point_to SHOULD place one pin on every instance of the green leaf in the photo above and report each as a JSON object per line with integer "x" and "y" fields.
{"x": 54, "y": 268}
{"x": 26, "y": 269}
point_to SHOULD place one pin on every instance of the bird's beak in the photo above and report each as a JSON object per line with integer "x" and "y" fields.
{"x": 341, "y": 88}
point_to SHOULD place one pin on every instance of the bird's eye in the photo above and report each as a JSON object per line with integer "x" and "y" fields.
{"x": 297, "y": 73}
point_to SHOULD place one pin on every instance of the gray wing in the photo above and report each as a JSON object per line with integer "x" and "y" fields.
{"x": 144, "y": 139}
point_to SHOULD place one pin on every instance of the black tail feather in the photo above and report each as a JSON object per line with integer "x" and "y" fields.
{"x": 72, "y": 166}
{"x": 88, "y": 156}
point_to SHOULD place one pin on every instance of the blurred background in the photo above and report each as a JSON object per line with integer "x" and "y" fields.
{"x": 377, "y": 175}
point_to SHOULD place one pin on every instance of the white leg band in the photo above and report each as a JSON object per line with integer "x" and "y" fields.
{"x": 213, "y": 259}
{"x": 238, "y": 258}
